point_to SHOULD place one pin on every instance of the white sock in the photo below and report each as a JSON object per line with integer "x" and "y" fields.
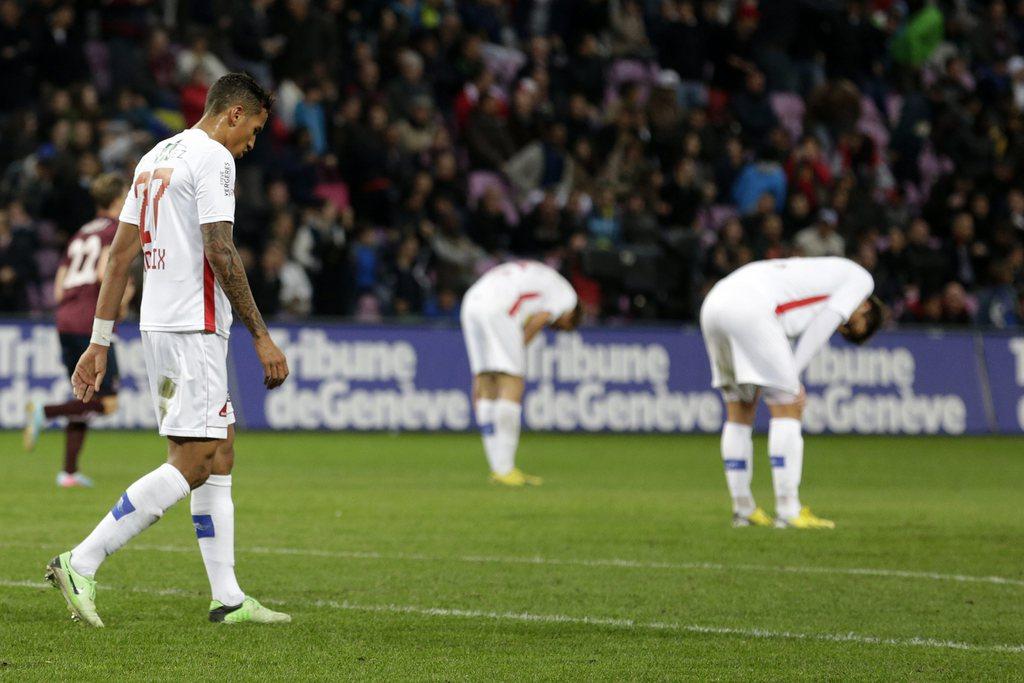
{"x": 738, "y": 458}
{"x": 213, "y": 516}
{"x": 786, "y": 450}
{"x": 507, "y": 418}
{"x": 142, "y": 504}
{"x": 485, "y": 420}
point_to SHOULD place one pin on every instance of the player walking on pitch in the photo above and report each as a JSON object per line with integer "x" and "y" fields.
{"x": 501, "y": 314}
{"x": 748, "y": 320}
{"x": 182, "y": 205}
{"x": 76, "y": 289}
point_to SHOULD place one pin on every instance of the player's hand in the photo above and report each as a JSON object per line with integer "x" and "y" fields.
{"x": 88, "y": 375}
{"x": 275, "y": 365}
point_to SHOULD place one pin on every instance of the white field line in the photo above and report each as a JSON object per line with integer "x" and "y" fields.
{"x": 607, "y": 622}
{"x": 580, "y": 562}
{"x": 612, "y": 562}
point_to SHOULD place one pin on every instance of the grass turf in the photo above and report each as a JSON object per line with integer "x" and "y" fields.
{"x": 375, "y": 542}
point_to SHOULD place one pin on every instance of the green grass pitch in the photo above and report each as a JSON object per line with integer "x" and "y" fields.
{"x": 399, "y": 561}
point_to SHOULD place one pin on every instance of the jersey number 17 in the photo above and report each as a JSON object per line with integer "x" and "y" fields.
{"x": 151, "y": 199}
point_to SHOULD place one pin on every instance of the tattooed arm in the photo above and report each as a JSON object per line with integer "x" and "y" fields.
{"x": 227, "y": 266}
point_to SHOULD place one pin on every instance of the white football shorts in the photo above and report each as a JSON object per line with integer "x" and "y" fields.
{"x": 188, "y": 381}
{"x": 494, "y": 341}
{"x": 747, "y": 347}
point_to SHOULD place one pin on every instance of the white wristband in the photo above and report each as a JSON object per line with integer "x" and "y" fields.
{"x": 102, "y": 331}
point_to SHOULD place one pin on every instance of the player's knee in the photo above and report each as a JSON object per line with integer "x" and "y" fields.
{"x": 224, "y": 456}
{"x": 511, "y": 388}
{"x": 198, "y": 476}
{"x": 195, "y": 471}
{"x": 223, "y": 461}
{"x": 193, "y": 458}
{"x": 740, "y": 412}
{"x": 791, "y": 410}
{"x": 485, "y": 386}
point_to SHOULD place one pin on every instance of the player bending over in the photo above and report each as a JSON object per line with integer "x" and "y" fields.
{"x": 501, "y": 314}
{"x": 76, "y": 289}
{"x": 182, "y": 206}
{"x": 748, "y": 320}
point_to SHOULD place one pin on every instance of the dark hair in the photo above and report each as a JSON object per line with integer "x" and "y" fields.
{"x": 106, "y": 188}
{"x": 874, "y": 318}
{"x": 238, "y": 88}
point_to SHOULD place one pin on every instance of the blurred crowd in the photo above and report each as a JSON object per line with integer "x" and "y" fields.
{"x": 646, "y": 148}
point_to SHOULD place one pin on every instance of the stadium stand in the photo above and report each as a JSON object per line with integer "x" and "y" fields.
{"x": 646, "y": 149}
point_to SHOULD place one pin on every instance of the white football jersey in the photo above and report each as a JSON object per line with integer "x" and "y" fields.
{"x": 797, "y": 288}
{"x": 522, "y": 288}
{"x": 180, "y": 184}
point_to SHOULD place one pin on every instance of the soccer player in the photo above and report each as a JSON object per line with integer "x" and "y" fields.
{"x": 76, "y": 289}
{"x": 748, "y": 320}
{"x": 180, "y": 209}
{"x": 501, "y": 314}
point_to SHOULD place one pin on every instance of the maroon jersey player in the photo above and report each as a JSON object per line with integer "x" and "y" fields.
{"x": 76, "y": 290}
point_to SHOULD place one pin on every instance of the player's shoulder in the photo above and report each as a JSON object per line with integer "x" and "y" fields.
{"x": 212, "y": 159}
{"x": 537, "y": 268}
{"x": 101, "y": 225}
{"x": 861, "y": 275}
{"x": 206, "y": 152}
{"x": 842, "y": 263}
{"x": 192, "y": 148}
{"x": 559, "y": 279}
{"x": 109, "y": 229}
{"x": 159, "y": 148}
{"x": 849, "y": 271}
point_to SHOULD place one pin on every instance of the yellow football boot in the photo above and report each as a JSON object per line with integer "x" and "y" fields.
{"x": 513, "y": 478}
{"x": 531, "y": 480}
{"x": 516, "y": 478}
{"x": 756, "y": 518}
{"x": 805, "y": 520}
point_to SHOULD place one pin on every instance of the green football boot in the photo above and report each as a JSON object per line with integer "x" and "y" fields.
{"x": 249, "y": 612}
{"x": 78, "y": 591}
